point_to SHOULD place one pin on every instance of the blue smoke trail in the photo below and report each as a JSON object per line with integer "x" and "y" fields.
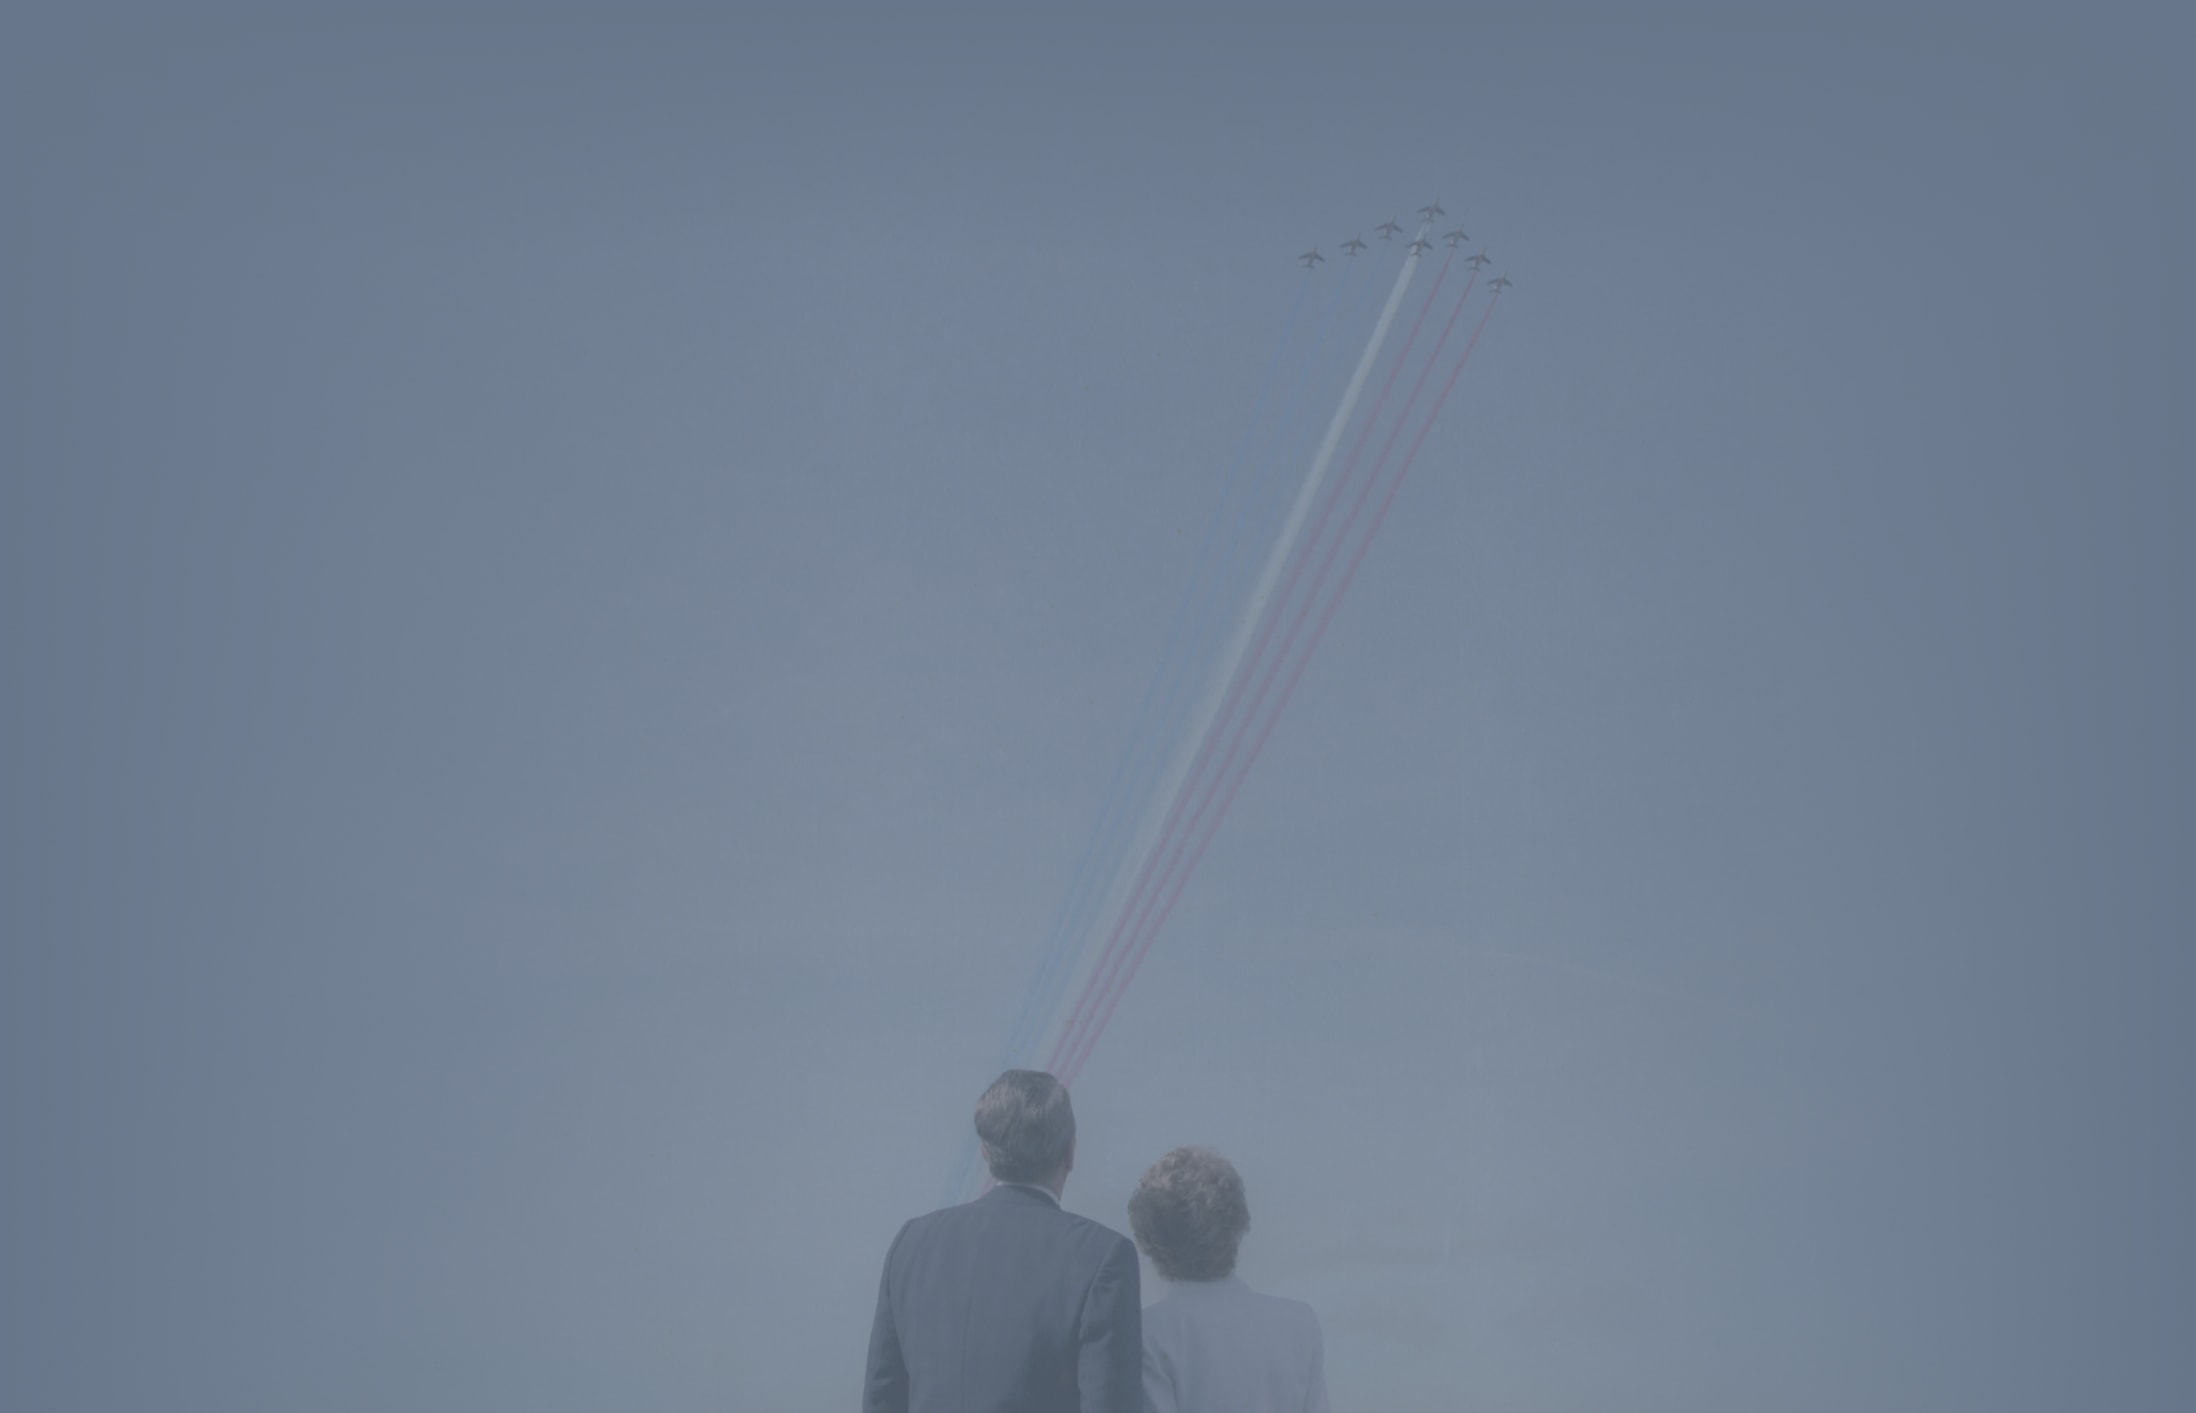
{"x": 1174, "y": 677}
{"x": 1143, "y": 741}
{"x": 1205, "y": 635}
{"x": 1135, "y": 774}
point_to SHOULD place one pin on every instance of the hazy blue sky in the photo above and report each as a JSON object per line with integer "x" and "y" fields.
{"x": 569, "y": 591}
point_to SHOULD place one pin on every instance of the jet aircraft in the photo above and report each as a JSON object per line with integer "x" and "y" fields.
{"x": 1499, "y": 283}
{"x": 1431, "y": 209}
{"x": 1420, "y": 246}
{"x": 1479, "y": 261}
{"x": 1456, "y": 237}
{"x": 1311, "y": 257}
{"x": 1353, "y": 245}
{"x": 1392, "y": 229}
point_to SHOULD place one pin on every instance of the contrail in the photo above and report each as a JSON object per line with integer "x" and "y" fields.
{"x": 1175, "y": 702}
{"x": 1258, "y": 743}
{"x": 1124, "y": 791}
{"x": 1263, "y": 667}
{"x": 1139, "y": 765}
{"x": 1230, "y": 726}
{"x": 1144, "y": 735}
{"x": 1166, "y": 800}
{"x": 1169, "y": 685}
{"x": 1224, "y": 671}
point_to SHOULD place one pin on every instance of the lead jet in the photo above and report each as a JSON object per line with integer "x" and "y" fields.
{"x": 1456, "y": 237}
{"x": 1419, "y": 246}
{"x": 1431, "y": 209}
{"x": 1352, "y": 245}
{"x": 1311, "y": 257}
{"x": 1499, "y": 283}
{"x": 1479, "y": 261}
{"x": 1391, "y": 230}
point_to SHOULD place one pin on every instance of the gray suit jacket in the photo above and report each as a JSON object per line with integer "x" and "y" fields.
{"x": 1007, "y": 1305}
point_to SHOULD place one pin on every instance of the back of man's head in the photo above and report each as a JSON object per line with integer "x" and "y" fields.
{"x": 1026, "y": 1124}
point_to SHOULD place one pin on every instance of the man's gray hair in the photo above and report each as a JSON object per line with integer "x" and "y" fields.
{"x": 1026, "y": 1124}
{"x": 1189, "y": 1215}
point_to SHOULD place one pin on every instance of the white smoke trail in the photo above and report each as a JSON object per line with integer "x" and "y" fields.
{"x": 1216, "y": 689}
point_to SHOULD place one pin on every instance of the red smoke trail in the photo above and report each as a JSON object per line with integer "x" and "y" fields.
{"x": 1143, "y": 891}
{"x": 1296, "y": 674}
{"x": 1229, "y": 740}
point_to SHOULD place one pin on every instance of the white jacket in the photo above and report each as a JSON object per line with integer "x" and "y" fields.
{"x": 1221, "y": 1347}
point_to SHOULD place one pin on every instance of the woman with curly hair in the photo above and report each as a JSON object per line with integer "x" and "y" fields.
{"x": 1211, "y": 1343}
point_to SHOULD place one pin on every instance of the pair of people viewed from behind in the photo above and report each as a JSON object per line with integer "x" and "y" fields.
{"x": 1009, "y": 1304}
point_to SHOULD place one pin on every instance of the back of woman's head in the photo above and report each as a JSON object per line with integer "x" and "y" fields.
{"x": 1189, "y": 1215}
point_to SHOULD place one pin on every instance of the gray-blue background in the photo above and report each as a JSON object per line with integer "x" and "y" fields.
{"x": 569, "y": 590}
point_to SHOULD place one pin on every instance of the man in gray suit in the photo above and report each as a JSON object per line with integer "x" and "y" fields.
{"x": 1008, "y": 1304}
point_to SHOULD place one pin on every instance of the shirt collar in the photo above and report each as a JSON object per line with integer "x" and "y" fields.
{"x": 1044, "y": 1192}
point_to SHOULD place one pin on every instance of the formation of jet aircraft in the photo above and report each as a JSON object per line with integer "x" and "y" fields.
{"x": 1391, "y": 228}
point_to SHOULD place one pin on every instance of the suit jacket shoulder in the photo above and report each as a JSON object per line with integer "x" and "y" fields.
{"x": 1007, "y": 1302}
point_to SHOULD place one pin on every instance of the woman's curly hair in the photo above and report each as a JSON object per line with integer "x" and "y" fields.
{"x": 1189, "y": 1215}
